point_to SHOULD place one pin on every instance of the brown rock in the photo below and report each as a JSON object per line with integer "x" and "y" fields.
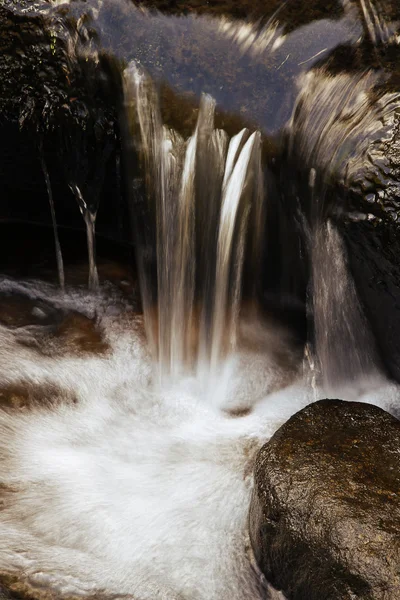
{"x": 325, "y": 512}
{"x": 26, "y": 395}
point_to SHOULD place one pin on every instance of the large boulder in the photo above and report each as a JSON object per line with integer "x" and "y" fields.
{"x": 325, "y": 512}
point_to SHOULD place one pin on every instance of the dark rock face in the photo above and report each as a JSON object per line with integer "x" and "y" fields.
{"x": 373, "y": 256}
{"x": 58, "y": 104}
{"x": 325, "y": 513}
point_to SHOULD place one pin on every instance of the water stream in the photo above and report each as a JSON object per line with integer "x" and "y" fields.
{"x": 89, "y": 217}
{"x": 344, "y": 345}
{"x": 204, "y": 191}
{"x": 132, "y": 474}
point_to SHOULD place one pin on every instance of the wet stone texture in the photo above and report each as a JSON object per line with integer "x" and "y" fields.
{"x": 26, "y": 396}
{"x": 325, "y": 513}
{"x": 50, "y": 331}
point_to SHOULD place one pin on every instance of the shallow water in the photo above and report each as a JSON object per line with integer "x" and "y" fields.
{"x": 111, "y": 482}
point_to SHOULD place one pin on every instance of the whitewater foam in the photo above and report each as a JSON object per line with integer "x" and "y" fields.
{"x": 137, "y": 489}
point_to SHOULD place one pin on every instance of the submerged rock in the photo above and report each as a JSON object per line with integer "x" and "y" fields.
{"x": 325, "y": 512}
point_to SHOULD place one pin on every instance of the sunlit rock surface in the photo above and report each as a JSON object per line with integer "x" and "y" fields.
{"x": 325, "y": 511}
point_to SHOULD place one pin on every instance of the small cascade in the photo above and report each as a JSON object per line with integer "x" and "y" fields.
{"x": 344, "y": 345}
{"x": 204, "y": 193}
{"x": 230, "y": 248}
{"x": 379, "y": 31}
{"x": 59, "y": 258}
{"x": 337, "y": 134}
{"x": 89, "y": 216}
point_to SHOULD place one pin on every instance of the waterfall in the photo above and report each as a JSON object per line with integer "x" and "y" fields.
{"x": 227, "y": 255}
{"x": 204, "y": 194}
{"x": 338, "y": 134}
{"x": 379, "y": 31}
{"x": 344, "y": 345}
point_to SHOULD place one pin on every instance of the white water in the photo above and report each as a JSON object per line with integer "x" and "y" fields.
{"x": 137, "y": 489}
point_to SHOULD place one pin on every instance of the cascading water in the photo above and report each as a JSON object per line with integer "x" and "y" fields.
{"x": 132, "y": 475}
{"x": 204, "y": 192}
{"x": 344, "y": 345}
{"x": 338, "y": 127}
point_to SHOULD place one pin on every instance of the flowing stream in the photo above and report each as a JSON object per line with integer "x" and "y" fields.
{"x": 128, "y": 436}
{"x": 204, "y": 192}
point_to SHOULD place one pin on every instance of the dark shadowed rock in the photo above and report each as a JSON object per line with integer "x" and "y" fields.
{"x": 325, "y": 513}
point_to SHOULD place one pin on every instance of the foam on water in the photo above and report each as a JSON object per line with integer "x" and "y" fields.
{"x": 141, "y": 485}
{"x": 137, "y": 489}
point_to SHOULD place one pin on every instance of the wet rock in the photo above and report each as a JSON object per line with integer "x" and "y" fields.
{"x": 19, "y": 310}
{"x": 325, "y": 512}
{"x": 27, "y": 395}
{"x": 13, "y": 587}
{"x": 50, "y": 330}
{"x": 373, "y": 256}
{"x": 74, "y": 334}
{"x": 77, "y": 334}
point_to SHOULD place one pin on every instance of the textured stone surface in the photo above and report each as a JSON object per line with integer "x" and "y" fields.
{"x": 325, "y": 514}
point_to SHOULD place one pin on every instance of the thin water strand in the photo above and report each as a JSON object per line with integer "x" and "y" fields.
{"x": 185, "y": 265}
{"x": 90, "y": 221}
{"x": 167, "y": 209}
{"x": 208, "y": 178}
{"x": 235, "y": 147}
{"x": 344, "y": 346}
{"x": 211, "y": 199}
{"x": 59, "y": 257}
{"x": 224, "y": 321}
